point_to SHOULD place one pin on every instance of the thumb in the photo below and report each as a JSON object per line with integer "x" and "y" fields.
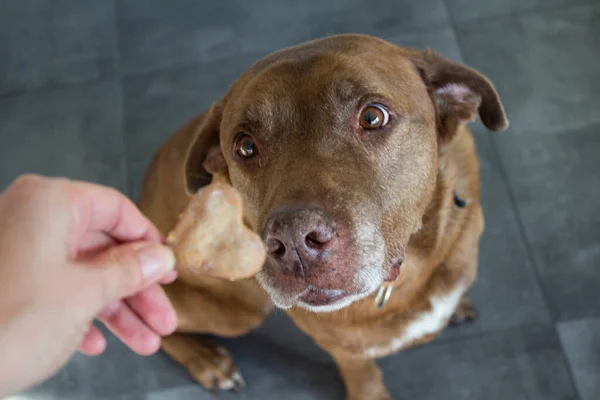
{"x": 121, "y": 271}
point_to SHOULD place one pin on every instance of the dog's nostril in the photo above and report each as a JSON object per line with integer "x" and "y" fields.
{"x": 275, "y": 247}
{"x": 316, "y": 239}
{"x": 312, "y": 243}
{"x": 280, "y": 252}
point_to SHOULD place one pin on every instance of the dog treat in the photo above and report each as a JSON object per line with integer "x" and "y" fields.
{"x": 211, "y": 238}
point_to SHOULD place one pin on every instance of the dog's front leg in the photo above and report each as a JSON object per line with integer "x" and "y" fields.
{"x": 209, "y": 364}
{"x": 362, "y": 378}
{"x": 227, "y": 309}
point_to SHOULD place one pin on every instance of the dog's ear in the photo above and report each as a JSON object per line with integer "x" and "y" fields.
{"x": 204, "y": 157}
{"x": 459, "y": 93}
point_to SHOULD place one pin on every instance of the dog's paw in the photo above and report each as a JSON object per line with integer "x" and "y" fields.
{"x": 465, "y": 313}
{"x": 212, "y": 367}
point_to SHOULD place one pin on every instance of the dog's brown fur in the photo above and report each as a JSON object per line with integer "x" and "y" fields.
{"x": 299, "y": 104}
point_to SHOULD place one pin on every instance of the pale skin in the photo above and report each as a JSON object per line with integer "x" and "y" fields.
{"x": 71, "y": 253}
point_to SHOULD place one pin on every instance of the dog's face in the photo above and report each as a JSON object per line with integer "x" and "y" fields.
{"x": 333, "y": 146}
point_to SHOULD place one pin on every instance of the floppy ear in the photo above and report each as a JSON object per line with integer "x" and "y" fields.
{"x": 459, "y": 93}
{"x": 204, "y": 158}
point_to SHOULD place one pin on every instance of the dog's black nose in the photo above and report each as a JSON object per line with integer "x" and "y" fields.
{"x": 298, "y": 238}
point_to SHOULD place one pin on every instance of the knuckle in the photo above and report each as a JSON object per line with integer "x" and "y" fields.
{"x": 34, "y": 186}
{"x": 26, "y": 191}
{"x": 27, "y": 182}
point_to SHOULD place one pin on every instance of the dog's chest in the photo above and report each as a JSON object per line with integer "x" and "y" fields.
{"x": 423, "y": 324}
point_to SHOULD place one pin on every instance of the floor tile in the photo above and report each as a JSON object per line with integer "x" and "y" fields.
{"x": 280, "y": 331}
{"x": 157, "y": 104}
{"x": 442, "y": 41}
{"x": 544, "y": 65}
{"x": 555, "y": 184}
{"x": 468, "y": 10}
{"x": 271, "y": 368}
{"x": 74, "y": 132}
{"x": 518, "y": 364}
{"x": 384, "y": 18}
{"x": 275, "y": 370}
{"x": 155, "y": 35}
{"x": 581, "y": 341}
{"x": 63, "y": 41}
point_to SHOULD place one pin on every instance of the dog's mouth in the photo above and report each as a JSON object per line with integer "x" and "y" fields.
{"x": 319, "y": 297}
{"x": 316, "y": 297}
{"x": 313, "y": 298}
{"x": 328, "y": 300}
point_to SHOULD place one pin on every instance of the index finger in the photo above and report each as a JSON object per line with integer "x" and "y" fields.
{"x": 102, "y": 209}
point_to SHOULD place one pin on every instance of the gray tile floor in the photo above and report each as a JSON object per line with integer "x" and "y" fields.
{"x": 89, "y": 89}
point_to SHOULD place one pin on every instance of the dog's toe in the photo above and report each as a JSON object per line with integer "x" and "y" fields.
{"x": 234, "y": 383}
{"x": 465, "y": 313}
{"x": 214, "y": 369}
{"x": 225, "y": 384}
{"x": 238, "y": 381}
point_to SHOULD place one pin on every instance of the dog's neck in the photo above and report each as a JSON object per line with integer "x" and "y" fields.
{"x": 447, "y": 195}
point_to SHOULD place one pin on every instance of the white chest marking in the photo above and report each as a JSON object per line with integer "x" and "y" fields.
{"x": 426, "y": 323}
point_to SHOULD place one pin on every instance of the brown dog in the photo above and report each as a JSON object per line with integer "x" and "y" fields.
{"x": 354, "y": 163}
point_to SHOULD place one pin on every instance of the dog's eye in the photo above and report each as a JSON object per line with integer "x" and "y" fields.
{"x": 374, "y": 116}
{"x": 245, "y": 146}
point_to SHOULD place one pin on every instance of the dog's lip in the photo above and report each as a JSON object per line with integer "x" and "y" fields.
{"x": 395, "y": 269}
{"x": 321, "y": 297}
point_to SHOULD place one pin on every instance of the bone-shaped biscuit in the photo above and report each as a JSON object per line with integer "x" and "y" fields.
{"x": 211, "y": 238}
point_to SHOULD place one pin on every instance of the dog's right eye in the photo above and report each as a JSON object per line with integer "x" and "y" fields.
{"x": 245, "y": 146}
{"x": 374, "y": 116}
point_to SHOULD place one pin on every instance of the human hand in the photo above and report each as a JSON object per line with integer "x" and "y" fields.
{"x": 71, "y": 252}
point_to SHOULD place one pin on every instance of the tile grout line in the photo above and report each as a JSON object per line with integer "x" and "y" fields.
{"x": 534, "y": 262}
{"x": 502, "y": 331}
{"x": 120, "y": 74}
{"x": 454, "y": 29}
{"x": 520, "y": 225}
{"x": 568, "y": 362}
{"x": 57, "y": 86}
{"x": 521, "y": 13}
{"x": 259, "y": 54}
{"x": 489, "y": 332}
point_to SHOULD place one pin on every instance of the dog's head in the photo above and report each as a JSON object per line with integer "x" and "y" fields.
{"x": 333, "y": 146}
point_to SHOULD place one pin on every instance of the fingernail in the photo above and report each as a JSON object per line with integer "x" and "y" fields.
{"x": 155, "y": 260}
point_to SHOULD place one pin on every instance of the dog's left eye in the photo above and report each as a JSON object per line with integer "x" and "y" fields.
{"x": 245, "y": 146}
{"x": 374, "y": 116}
